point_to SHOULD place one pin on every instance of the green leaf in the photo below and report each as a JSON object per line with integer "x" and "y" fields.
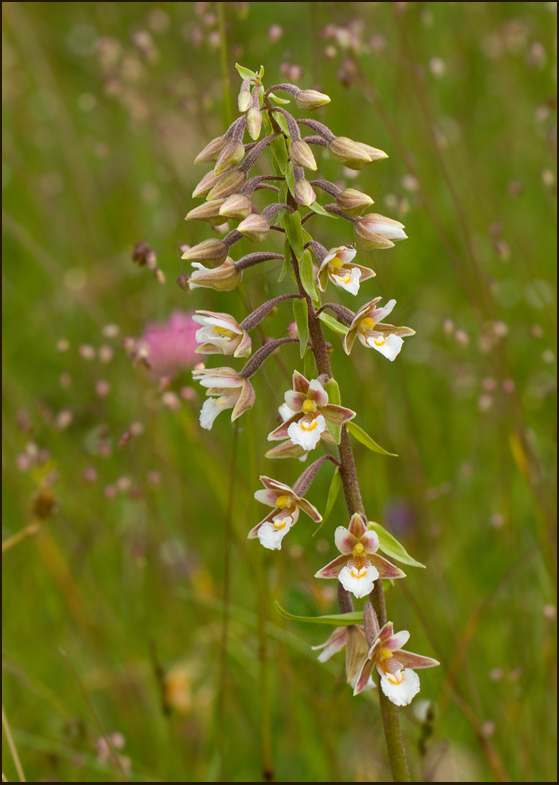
{"x": 282, "y": 122}
{"x": 333, "y": 491}
{"x": 292, "y": 225}
{"x": 334, "y": 396}
{"x": 278, "y": 100}
{"x": 245, "y": 73}
{"x": 301, "y": 314}
{"x": 307, "y": 275}
{"x": 279, "y": 153}
{"x": 332, "y": 323}
{"x": 319, "y": 209}
{"x": 286, "y": 260}
{"x": 338, "y": 619}
{"x": 359, "y": 434}
{"x": 391, "y": 546}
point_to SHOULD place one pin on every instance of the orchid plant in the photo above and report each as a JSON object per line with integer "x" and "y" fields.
{"x": 312, "y": 414}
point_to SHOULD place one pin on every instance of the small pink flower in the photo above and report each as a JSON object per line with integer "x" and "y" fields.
{"x": 359, "y": 566}
{"x": 231, "y": 391}
{"x": 338, "y": 267}
{"x": 169, "y": 347}
{"x": 398, "y": 682}
{"x": 286, "y": 503}
{"x": 221, "y": 334}
{"x": 385, "y": 338}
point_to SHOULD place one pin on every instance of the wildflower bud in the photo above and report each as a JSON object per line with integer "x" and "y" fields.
{"x": 209, "y": 211}
{"x": 377, "y": 231}
{"x": 348, "y": 153}
{"x": 373, "y": 152}
{"x": 254, "y": 122}
{"x": 307, "y": 100}
{"x": 254, "y": 228}
{"x": 207, "y": 251}
{"x": 353, "y": 202}
{"x": 231, "y": 155}
{"x": 231, "y": 183}
{"x": 211, "y": 150}
{"x": 304, "y": 193}
{"x": 206, "y": 184}
{"x": 244, "y": 101}
{"x": 182, "y": 282}
{"x": 301, "y": 155}
{"x": 236, "y": 207}
{"x": 224, "y": 278}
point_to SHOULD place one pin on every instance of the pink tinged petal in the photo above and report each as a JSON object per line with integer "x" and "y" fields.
{"x": 337, "y": 415}
{"x": 366, "y": 272}
{"x": 271, "y": 533}
{"x": 306, "y": 432}
{"x": 245, "y": 346}
{"x": 344, "y": 254}
{"x": 357, "y": 525}
{"x": 281, "y": 431}
{"x": 363, "y": 678}
{"x": 345, "y": 541}
{"x": 386, "y": 569}
{"x": 346, "y": 279}
{"x": 386, "y": 632}
{"x": 388, "y": 346}
{"x": 349, "y": 340}
{"x": 358, "y": 579}
{"x": 335, "y": 643}
{"x": 317, "y": 393}
{"x": 403, "y": 692}
{"x": 332, "y": 569}
{"x": 246, "y": 400}
{"x": 267, "y": 497}
{"x": 276, "y": 485}
{"x": 398, "y": 640}
{"x": 411, "y": 660}
{"x": 311, "y": 511}
{"x": 370, "y": 541}
{"x": 295, "y": 400}
{"x": 300, "y": 384}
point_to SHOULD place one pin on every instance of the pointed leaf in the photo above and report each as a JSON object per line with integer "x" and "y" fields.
{"x": 245, "y": 73}
{"x": 335, "y": 485}
{"x": 310, "y": 370}
{"x": 334, "y": 397}
{"x": 292, "y": 224}
{"x": 319, "y": 209}
{"x": 286, "y": 261}
{"x": 359, "y": 434}
{"x": 301, "y": 313}
{"x": 332, "y": 323}
{"x": 279, "y": 152}
{"x": 278, "y": 100}
{"x": 337, "y": 620}
{"x": 390, "y": 545}
{"x": 307, "y": 274}
{"x": 282, "y": 122}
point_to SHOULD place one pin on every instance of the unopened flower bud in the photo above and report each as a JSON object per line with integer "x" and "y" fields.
{"x": 373, "y": 152}
{"x": 302, "y": 155}
{"x": 377, "y": 231}
{"x": 209, "y": 211}
{"x": 254, "y": 123}
{"x": 211, "y": 150}
{"x": 353, "y": 202}
{"x": 254, "y": 228}
{"x": 206, "y": 184}
{"x": 224, "y": 278}
{"x": 207, "y": 251}
{"x": 348, "y": 153}
{"x": 231, "y": 183}
{"x": 244, "y": 101}
{"x": 304, "y": 193}
{"x": 236, "y": 207}
{"x": 231, "y": 155}
{"x": 307, "y": 100}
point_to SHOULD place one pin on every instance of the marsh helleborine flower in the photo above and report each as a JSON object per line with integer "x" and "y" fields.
{"x": 233, "y": 391}
{"x": 337, "y": 267}
{"x": 286, "y": 503}
{"x": 221, "y": 334}
{"x": 359, "y": 566}
{"x": 385, "y": 338}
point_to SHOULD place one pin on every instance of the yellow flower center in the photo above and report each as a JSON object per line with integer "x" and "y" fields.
{"x": 358, "y": 549}
{"x": 335, "y": 263}
{"x": 284, "y": 502}
{"x": 223, "y": 332}
{"x": 309, "y": 426}
{"x": 379, "y": 341}
{"x": 367, "y": 323}
{"x": 309, "y": 406}
{"x": 384, "y": 654}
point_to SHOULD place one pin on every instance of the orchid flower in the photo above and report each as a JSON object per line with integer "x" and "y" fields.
{"x": 309, "y": 403}
{"x": 385, "y": 338}
{"x": 337, "y": 267}
{"x": 352, "y": 639}
{"x": 234, "y": 391}
{"x": 221, "y": 334}
{"x": 398, "y": 682}
{"x": 359, "y": 566}
{"x": 286, "y": 504}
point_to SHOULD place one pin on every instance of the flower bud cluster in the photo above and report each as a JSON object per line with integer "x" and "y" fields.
{"x": 312, "y": 415}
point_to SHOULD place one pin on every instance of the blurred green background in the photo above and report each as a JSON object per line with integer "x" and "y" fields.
{"x": 118, "y": 595}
